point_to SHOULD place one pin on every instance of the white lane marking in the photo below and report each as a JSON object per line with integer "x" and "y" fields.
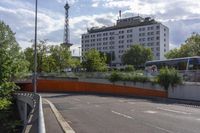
{"x": 126, "y": 116}
{"x": 198, "y": 119}
{"x": 160, "y": 128}
{"x": 150, "y": 112}
{"x": 76, "y": 99}
{"x": 131, "y": 102}
{"x": 121, "y": 101}
{"x": 88, "y": 102}
{"x": 132, "y": 110}
{"x": 174, "y": 111}
{"x": 97, "y": 106}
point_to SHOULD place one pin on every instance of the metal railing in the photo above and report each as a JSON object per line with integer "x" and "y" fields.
{"x": 31, "y": 112}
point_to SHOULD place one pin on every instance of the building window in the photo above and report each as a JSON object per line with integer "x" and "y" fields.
{"x": 129, "y": 31}
{"x": 157, "y": 38}
{"x": 105, "y": 43}
{"x": 157, "y": 27}
{"x": 158, "y": 49}
{"x": 129, "y": 36}
{"x": 121, "y": 41}
{"x": 157, "y": 32}
{"x": 157, "y": 43}
{"x": 121, "y": 46}
{"x": 121, "y": 32}
{"x": 112, "y": 33}
{"x": 121, "y": 37}
{"x": 98, "y": 35}
{"x": 105, "y": 34}
{"x": 92, "y": 35}
{"x": 105, "y": 38}
{"x": 112, "y": 38}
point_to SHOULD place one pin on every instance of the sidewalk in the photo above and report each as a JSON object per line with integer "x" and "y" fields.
{"x": 51, "y": 123}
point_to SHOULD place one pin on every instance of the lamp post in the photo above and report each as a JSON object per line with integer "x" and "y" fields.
{"x": 35, "y": 51}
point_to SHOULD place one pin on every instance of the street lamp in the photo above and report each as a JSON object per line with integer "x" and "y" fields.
{"x": 35, "y": 51}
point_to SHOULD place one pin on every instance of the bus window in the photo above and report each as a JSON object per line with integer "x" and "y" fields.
{"x": 194, "y": 64}
{"x": 182, "y": 65}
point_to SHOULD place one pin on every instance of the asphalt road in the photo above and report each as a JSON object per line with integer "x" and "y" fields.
{"x": 108, "y": 114}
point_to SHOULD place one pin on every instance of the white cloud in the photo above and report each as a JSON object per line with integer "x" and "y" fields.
{"x": 71, "y": 2}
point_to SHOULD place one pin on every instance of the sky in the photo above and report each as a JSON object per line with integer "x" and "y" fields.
{"x": 181, "y": 16}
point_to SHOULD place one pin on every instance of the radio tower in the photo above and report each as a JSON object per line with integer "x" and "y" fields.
{"x": 66, "y": 41}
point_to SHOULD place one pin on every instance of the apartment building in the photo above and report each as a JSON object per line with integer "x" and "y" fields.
{"x": 118, "y": 39}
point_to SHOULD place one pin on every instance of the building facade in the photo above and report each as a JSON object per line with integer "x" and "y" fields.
{"x": 118, "y": 39}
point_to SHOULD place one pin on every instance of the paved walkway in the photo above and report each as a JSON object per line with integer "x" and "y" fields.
{"x": 51, "y": 123}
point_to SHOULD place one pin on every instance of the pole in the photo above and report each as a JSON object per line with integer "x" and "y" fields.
{"x": 35, "y": 51}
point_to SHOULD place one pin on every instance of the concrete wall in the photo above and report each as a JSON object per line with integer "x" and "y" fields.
{"x": 53, "y": 85}
{"x": 187, "y": 91}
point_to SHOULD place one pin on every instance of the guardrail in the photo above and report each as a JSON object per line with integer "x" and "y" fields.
{"x": 31, "y": 112}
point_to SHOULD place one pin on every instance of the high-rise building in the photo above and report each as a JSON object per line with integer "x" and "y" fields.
{"x": 117, "y": 39}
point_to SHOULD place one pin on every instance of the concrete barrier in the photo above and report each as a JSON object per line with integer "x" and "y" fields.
{"x": 31, "y": 112}
{"x": 187, "y": 91}
{"x": 46, "y": 85}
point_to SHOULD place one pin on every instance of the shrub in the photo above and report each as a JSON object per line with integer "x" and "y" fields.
{"x": 168, "y": 77}
{"x": 129, "y": 68}
{"x": 115, "y": 76}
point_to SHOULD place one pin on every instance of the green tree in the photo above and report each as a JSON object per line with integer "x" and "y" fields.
{"x": 137, "y": 55}
{"x": 50, "y": 58}
{"x": 12, "y": 59}
{"x": 94, "y": 61}
{"x": 61, "y": 55}
{"x": 12, "y": 66}
{"x": 191, "y": 47}
{"x": 42, "y": 50}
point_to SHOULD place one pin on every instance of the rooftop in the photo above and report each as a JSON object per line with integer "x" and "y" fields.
{"x": 125, "y": 23}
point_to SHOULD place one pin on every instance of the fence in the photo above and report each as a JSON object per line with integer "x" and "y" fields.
{"x": 31, "y": 112}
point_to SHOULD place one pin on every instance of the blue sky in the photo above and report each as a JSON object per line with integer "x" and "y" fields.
{"x": 181, "y": 16}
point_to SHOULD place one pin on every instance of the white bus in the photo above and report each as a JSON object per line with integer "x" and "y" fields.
{"x": 189, "y": 67}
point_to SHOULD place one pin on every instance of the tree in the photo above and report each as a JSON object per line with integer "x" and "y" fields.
{"x": 137, "y": 55}
{"x": 61, "y": 56}
{"x": 42, "y": 50}
{"x": 191, "y": 47}
{"x": 12, "y": 66}
{"x": 12, "y": 59}
{"x": 94, "y": 61}
{"x": 50, "y": 58}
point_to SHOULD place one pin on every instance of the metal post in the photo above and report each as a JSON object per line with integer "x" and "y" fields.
{"x": 35, "y": 51}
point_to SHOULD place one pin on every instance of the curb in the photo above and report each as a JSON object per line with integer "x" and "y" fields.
{"x": 64, "y": 125}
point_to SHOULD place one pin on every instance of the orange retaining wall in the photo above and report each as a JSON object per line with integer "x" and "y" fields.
{"x": 45, "y": 85}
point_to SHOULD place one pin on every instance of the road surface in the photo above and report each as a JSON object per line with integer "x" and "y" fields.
{"x": 108, "y": 114}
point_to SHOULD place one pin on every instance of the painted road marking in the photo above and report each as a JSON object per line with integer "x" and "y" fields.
{"x": 174, "y": 111}
{"x": 150, "y": 112}
{"x": 126, "y": 116}
{"x": 97, "y": 106}
{"x": 76, "y": 99}
{"x": 160, "y": 128}
{"x": 131, "y": 102}
{"x": 121, "y": 101}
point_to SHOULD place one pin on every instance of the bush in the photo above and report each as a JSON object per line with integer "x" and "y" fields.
{"x": 4, "y": 104}
{"x": 129, "y": 68}
{"x": 115, "y": 76}
{"x": 168, "y": 77}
